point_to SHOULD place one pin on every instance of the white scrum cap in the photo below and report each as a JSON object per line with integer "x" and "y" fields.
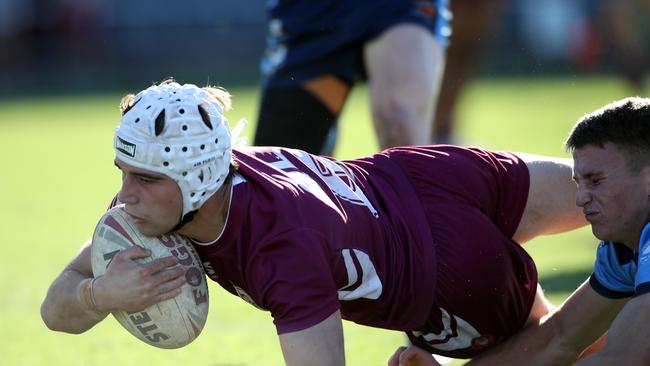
{"x": 180, "y": 131}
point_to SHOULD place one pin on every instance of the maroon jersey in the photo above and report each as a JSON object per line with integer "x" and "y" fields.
{"x": 306, "y": 236}
{"x": 373, "y": 237}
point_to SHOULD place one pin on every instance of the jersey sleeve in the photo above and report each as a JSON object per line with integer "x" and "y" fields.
{"x": 291, "y": 276}
{"x": 642, "y": 280}
{"x": 614, "y": 271}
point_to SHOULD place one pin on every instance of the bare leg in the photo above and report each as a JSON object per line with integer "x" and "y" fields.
{"x": 405, "y": 66}
{"x": 550, "y": 207}
{"x": 471, "y": 26}
{"x": 541, "y": 308}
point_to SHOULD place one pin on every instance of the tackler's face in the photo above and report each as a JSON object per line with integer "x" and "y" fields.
{"x": 152, "y": 200}
{"x": 613, "y": 197}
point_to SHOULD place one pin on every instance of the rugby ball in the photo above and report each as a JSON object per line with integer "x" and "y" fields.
{"x": 171, "y": 323}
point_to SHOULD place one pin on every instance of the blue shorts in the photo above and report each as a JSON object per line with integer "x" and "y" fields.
{"x": 310, "y": 39}
{"x": 486, "y": 282}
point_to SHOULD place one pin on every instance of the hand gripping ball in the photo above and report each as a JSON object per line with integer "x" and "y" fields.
{"x": 172, "y": 323}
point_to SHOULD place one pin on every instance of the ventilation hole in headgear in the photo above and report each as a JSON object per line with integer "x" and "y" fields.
{"x": 181, "y": 111}
{"x": 167, "y": 149}
{"x": 178, "y": 100}
{"x": 137, "y": 120}
{"x": 201, "y": 177}
{"x": 202, "y": 146}
{"x": 205, "y": 117}
{"x": 203, "y": 194}
{"x": 184, "y": 173}
{"x": 192, "y": 194}
{"x": 184, "y": 148}
{"x": 184, "y": 127}
{"x": 148, "y": 107}
{"x": 160, "y": 122}
{"x": 216, "y": 141}
{"x": 165, "y": 163}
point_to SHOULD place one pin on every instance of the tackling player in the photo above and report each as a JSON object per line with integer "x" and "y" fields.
{"x": 611, "y": 153}
{"x": 316, "y": 52}
{"x": 424, "y": 240}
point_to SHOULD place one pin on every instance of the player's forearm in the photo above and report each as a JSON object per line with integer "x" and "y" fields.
{"x": 561, "y": 337}
{"x": 319, "y": 345}
{"x": 604, "y": 359}
{"x": 534, "y": 346}
{"x": 66, "y": 308}
{"x": 627, "y": 337}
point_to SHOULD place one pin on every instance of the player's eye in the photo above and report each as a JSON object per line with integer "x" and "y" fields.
{"x": 146, "y": 180}
{"x": 594, "y": 182}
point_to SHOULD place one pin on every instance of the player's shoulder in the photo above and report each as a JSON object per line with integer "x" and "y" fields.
{"x": 268, "y": 154}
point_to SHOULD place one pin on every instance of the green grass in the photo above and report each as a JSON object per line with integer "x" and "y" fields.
{"x": 58, "y": 178}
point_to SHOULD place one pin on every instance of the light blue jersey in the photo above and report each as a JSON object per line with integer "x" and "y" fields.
{"x": 620, "y": 271}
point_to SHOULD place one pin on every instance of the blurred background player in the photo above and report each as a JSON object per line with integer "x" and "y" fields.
{"x": 611, "y": 156}
{"x": 616, "y": 30}
{"x": 606, "y": 32}
{"x": 316, "y": 51}
{"x": 473, "y": 20}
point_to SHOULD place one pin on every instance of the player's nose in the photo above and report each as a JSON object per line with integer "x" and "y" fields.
{"x": 128, "y": 194}
{"x": 583, "y": 196}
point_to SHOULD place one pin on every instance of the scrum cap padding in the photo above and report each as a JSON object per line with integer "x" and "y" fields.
{"x": 180, "y": 131}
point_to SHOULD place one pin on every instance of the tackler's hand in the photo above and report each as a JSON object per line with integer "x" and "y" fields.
{"x": 412, "y": 356}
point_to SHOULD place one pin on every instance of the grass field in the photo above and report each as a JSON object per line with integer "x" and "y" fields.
{"x": 58, "y": 178}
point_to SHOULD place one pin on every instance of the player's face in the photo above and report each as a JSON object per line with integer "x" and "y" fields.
{"x": 613, "y": 198}
{"x": 152, "y": 200}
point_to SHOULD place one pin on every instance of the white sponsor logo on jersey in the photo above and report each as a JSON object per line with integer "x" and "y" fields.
{"x": 338, "y": 178}
{"x": 445, "y": 340}
{"x": 369, "y": 287}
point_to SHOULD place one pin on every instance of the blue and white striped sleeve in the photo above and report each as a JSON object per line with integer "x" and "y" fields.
{"x": 642, "y": 280}
{"x": 614, "y": 271}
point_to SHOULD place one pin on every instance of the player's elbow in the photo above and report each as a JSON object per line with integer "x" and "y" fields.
{"x": 54, "y": 321}
{"x": 48, "y": 317}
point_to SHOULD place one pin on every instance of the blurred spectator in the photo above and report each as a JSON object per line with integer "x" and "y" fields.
{"x": 585, "y": 33}
{"x": 617, "y": 29}
{"x": 472, "y": 24}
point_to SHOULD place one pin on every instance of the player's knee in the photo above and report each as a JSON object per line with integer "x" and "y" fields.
{"x": 293, "y": 117}
{"x": 399, "y": 123}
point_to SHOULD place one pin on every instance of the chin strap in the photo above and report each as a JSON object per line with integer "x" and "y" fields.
{"x": 185, "y": 219}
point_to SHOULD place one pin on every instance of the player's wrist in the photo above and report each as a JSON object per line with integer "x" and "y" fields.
{"x": 88, "y": 300}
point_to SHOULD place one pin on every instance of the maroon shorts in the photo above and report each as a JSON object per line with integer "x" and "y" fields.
{"x": 486, "y": 283}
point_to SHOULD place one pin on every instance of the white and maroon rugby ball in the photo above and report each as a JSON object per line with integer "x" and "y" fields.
{"x": 172, "y": 323}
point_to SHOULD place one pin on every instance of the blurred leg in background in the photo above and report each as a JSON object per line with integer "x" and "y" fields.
{"x": 472, "y": 25}
{"x": 617, "y": 33}
{"x": 316, "y": 53}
